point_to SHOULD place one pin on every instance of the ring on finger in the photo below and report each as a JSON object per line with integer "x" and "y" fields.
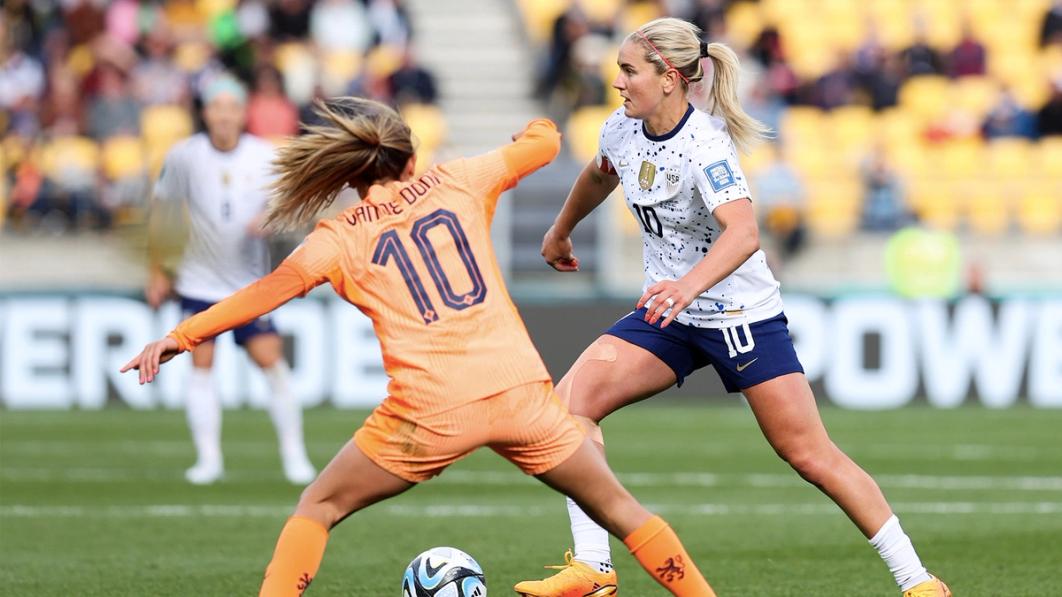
{"x": 670, "y": 302}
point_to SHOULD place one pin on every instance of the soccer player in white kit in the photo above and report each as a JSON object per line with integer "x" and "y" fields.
{"x": 709, "y": 297}
{"x": 221, "y": 177}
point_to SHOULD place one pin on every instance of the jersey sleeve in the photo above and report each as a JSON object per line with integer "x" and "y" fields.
{"x": 172, "y": 184}
{"x": 492, "y": 173}
{"x": 317, "y": 258}
{"x": 717, "y": 173}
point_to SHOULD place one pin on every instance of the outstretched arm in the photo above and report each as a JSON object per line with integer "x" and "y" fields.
{"x": 247, "y": 304}
{"x": 591, "y": 188}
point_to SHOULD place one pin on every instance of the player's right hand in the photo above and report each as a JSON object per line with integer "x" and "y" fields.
{"x": 557, "y": 251}
{"x": 153, "y": 355}
{"x": 158, "y": 288}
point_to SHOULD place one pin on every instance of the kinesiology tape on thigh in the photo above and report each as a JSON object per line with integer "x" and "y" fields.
{"x": 603, "y": 352}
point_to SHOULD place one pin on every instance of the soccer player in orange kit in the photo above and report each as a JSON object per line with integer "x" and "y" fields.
{"x": 415, "y": 256}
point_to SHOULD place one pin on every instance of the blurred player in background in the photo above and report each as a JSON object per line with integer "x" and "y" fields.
{"x": 709, "y": 297}
{"x": 416, "y": 257}
{"x": 221, "y": 179}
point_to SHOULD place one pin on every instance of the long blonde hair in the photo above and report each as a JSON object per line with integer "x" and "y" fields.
{"x": 674, "y": 43}
{"x": 361, "y": 142}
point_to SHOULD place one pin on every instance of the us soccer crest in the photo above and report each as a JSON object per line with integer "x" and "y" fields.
{"x": 672, "y": 176}
{"x": 646, "y": 175}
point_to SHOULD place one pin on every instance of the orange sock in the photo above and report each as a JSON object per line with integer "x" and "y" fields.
{"x": 660, "y": 552}
{"x": 296, "y": 558}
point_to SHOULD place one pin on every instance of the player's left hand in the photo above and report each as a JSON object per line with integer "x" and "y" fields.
{"x": 153, "y": 355}
{"x": 666, "y": 298}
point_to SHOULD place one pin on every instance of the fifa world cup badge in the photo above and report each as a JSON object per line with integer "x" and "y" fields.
{"x": 646, "y": 175}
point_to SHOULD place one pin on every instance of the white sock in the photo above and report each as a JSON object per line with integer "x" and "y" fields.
{"x": 591, "y": 541}
{"x": 286, "y": 412}
{"x": 203, "y": 410}
{"x": 894, "y": 547}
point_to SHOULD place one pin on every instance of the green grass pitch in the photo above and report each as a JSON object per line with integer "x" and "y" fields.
{"x": 93, "y": 503}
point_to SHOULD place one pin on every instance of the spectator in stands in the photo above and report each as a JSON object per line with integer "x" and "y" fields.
{"x": 837, "y": 86}
{"x": 156, "y": 79}
{"x": 270, "y": 114}
{"x": 587, "y": 87}
{"x": 1049, "y": 118}
{"x": 780, "y": 203}
{"x": 762, "y": 104}
{"x": 968, "y": 56}
{"x": 62, "y": 112}
{"x": 113, "y": 110}
{"x": 884, "y": 206}
{"x": 21, "y": 84}
{"x": 567, "y": 29}
{"x": 340, "y": 25}
{"x": 710, "y": 16}
{"x": 390, "y": 22}
{"x": 412, "y": 83}
{"x": 1051, "y": 28}
{"x": 920, "y": 58}
{"x": 1008, "y": 118}
{"x": 290, "y": 19}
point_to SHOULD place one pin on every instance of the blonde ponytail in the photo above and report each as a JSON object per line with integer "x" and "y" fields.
{"x": 362, "y": 142}
{"x": 745, "y": 130}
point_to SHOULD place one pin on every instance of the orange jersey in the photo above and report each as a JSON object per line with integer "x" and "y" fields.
{"x": 416, "y": 257}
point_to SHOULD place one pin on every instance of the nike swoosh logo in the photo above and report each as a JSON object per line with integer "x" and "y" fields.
{"x": 741, "y": 368}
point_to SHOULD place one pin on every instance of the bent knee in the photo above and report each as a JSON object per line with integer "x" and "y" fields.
{"x": 813, "y": 463}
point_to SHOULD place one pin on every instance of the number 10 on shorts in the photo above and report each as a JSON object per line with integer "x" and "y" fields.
{"x": 734, "y": 344}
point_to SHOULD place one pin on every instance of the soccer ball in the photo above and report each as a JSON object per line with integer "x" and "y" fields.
{"x": 443, "y": 572}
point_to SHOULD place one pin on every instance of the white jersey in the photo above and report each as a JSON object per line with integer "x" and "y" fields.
{"x": 224, "y": 193}
{"x": 673, "y": 183}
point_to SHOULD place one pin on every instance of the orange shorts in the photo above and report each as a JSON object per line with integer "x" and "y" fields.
{"x": 527, "y": 425}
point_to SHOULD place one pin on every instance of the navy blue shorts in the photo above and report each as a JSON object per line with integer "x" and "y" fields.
{"x": 262, "y": 325}
{"x": 743, "y": 355}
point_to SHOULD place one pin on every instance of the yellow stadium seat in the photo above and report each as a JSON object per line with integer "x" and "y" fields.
{"x": 801, "y": 124}
{"x": 987, "y": 212}
{"x": 383, "y": 60}
{"x": 70, "y": 154}
{"x": 639, "y": 13}
{"x": 1040, "y": 211}
{"x": 899, "y": 130}
{"x": 1049, "y": 156}
{"x": 892, "y": 20}
{"x": 609, "y": 71}
{"x": 338, "y": 69}
{"x": 165, "y": 124}
{"x": 600, "y": 11}
{"x": 927, "y": 97}
{"x": 911, "y": 159}
{"x": 960, "y": 158}
{"x": 539, "y": 16}
{"x": 744, "y": 22}
{"x": 852, "y": 128}
{"x": 833, "y": 206}
{"x": 584, "y": 128}
{"x": 935, "y": 201}
{"x": 123, "y": 157}
{"x": 192, "y": 56}
{"x": 427, "y": 123}
{"x": 1010, "y": 158}
{"x": 976, "y": 95}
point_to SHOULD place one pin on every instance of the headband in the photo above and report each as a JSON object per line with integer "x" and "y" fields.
{"x": 703, "y": 52}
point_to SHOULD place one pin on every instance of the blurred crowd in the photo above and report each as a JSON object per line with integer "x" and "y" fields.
{"x": 93, "y": 92}
{"x": 814, "y": 58}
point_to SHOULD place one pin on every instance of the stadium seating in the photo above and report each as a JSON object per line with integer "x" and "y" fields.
{"x": 956, "y": 180}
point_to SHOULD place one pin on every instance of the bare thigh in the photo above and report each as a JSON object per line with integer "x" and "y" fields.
{"x": 788, "y": 415}
{"x": 266, "y": 350}
{"x": 349, "y": 483}
{"x": 587, "y": 479}
{"x": 610, "y": 374}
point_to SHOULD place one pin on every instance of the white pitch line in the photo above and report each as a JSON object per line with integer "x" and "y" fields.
{"x": 502, "y": 478}
{"x": 512, "y": 511}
